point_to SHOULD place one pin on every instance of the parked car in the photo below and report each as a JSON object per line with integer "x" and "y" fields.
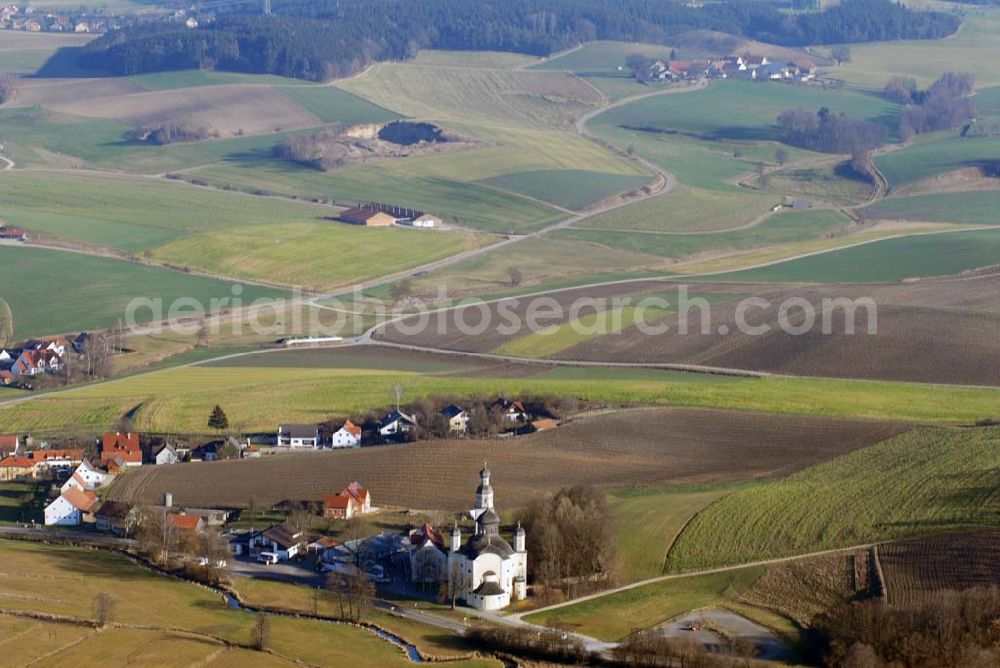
{"x": 268, "y": 558}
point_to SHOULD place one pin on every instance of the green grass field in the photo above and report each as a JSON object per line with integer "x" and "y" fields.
{"x": 615, "y": 85}
{"x": 923, "y": 482}
{"x": 52, "y": 292}
{"x": 568, "y": 188}
{"x": 178, "y": 400}
{"x": 22, "y": 502}
{"x": 687, "y": 209}
{"x": 331, "y": 104}
{"x": 456, "y": 202}
{"x": 887, "y": 260}
{"x": 987, "y": 101}
{"x": 925, "y": 60}
{"x": 316, "y": 255}
{"x": 134, "y": 214}
{"x": 34, "y": 137}
{"x": 941, "y": 152}
{"x": 175, "y": 79}
{"x": 974, "y": 208}
{"x": 58, "y": 580}
{"x": 26, "y": 52}
{"x": 649, "y": 519}
{"x": 786, "y": 227}
{"x": 614, "y": 616}
{"x": 831, "y": 183}
{"x": 713, "y": 111}
{"x": 602, "y": 56}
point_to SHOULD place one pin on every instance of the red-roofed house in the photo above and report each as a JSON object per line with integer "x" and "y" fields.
{"x": 352, "y": 500}
{"x": 193, "y": 523}
{"x": 512, "y": 411}
{"x": 9, "y": 445}
{"x": 16, "y": 468}
{"x": 49, "y": 460}
{"x": 69, "y": 508}
{"x": 428, "y": 557}
{"x": 348, "y": 436}
{"x": 368, "y": 217}
{"x": 34, "y": 362}
{"x": 122, "y": 447}
{"x": 12, "y": 233}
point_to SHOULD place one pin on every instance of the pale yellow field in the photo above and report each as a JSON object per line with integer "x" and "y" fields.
{"x": 490, "y": 97}
{"x": 498, "y": 60}
{"x": 225, "y": 109}
{"x": 318, "y": 256}
{"x": 688, "y": 209}
{"x": 975, "y": 49}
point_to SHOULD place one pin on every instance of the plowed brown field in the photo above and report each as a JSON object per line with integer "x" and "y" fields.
{"x": 936, "y": 331}
{"x": 915, "y": 569}
{"x": 625, "y": 448}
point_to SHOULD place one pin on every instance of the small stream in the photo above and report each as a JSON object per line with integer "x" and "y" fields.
{"x": 411, "y": 650}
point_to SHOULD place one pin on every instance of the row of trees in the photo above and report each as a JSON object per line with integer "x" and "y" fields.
{"x": 331, "y": 38}
{"x": 944, "y": 106}
{"x": 829, "y": 132}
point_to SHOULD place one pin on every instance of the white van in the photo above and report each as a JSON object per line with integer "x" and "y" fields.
{"x": 269, "y": 558}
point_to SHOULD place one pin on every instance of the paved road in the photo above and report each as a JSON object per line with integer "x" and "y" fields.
{"x": 730, "y": 626}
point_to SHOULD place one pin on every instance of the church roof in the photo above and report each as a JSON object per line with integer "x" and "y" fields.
{"x": 487, "y": 544}
{"x": 489, "y": 517}
{"x": 489, "y": 588}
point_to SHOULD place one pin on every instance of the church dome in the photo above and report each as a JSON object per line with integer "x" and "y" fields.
{"x": 487, "y": 544}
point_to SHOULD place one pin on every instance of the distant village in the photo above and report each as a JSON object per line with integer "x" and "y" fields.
{"x": 26, "y": 18}
{"x": 737, "y": 67}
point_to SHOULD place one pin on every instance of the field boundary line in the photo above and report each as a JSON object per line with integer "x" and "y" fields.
{"x": 517, "y": 617}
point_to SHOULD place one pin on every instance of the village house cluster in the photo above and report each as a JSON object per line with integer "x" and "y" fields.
{"x": 34, "y": 357}
{"x": 31, "y": 19}
{"x": 83, "y": 21}
{"x": 739, "y": 68}
{"x": 398, "y": 425}
{"x": 482, "y": 568}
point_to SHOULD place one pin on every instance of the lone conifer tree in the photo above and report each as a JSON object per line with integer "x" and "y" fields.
{"x": 218, "y": 420}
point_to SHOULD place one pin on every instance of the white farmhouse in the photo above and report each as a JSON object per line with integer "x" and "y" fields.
{"x": 69, "y": 508}
{"x": 85, "y": 478}
{"x": 348, "y": 436}
{"x": 298, "y": 435}
{"x": 396, "y": 422}
{"x": 166, "y": 455}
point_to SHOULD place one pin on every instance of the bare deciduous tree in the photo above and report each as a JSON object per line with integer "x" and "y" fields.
{"x": 514, "y": 277}
{"x": 104, "y": 609}
{"x": 260, "y": 633}
{"x": 353, "y": 593}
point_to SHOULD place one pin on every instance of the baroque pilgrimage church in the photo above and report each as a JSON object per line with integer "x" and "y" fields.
{"x": 489, "y": 572}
